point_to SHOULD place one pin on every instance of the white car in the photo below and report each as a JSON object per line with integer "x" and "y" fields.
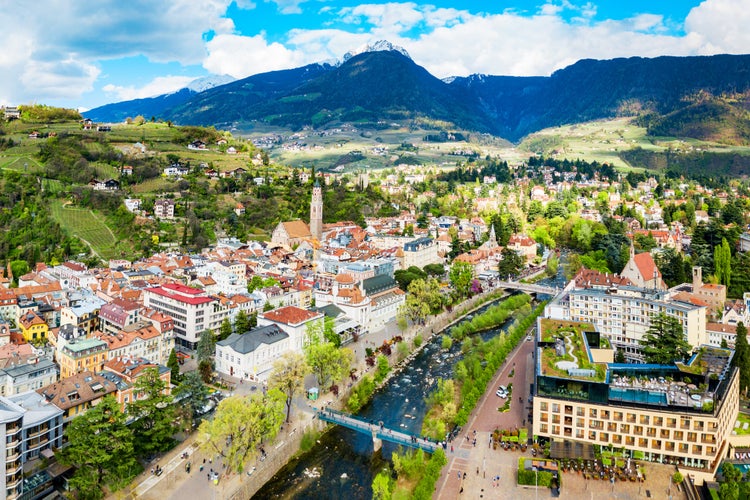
{"x": 528, "y": 338}
{"x": 501, "y": 394}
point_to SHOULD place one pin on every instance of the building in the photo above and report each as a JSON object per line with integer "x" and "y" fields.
{"x": 28, "y": 375}
{"x": 524, "y": 246}
{"x": 33, "y": 327}
{"x": 252, "y": 354}
{"x": 82, "y": 355}
{"x": 141, "y": 340}
{"x": 641, "y": 270}
{"x": 191, "y": 309}
{"x": 77, "y": 393}
{"x": 29, "y": 426}
{"x": 294, "y": 321}
{"x": 316, "y": 212}
{"x": 127, "y": 370}
{"x": 84, "y": 314}
{"x": 118, "y": 314}
{"x": 623, "y": 315}
{"x": 164, "y": 209}
{"x": 660, "y": 413}
{"x": 715, "y": 295}
{"x": 420, "y": 252}
{"x": 291, "y": 233}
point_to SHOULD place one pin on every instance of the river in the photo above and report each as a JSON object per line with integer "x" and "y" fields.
{"x": 399, "y": 405}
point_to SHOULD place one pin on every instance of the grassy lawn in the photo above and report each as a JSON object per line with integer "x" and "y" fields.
{"x": 743, "y": 419}
{"x": 86, "y": 225}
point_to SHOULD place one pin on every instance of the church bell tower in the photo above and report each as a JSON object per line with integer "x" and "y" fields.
{"x": 316, "y": 212}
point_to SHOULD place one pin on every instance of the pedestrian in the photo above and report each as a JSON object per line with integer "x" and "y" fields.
{"x": 477, "y": 470}
{"x": 464, "y": 475}
{"x": 459, "y": 475}
{"x": 462, "y": 490}
{"x": 152, "y": 470}
{"x": 451, "y": 448}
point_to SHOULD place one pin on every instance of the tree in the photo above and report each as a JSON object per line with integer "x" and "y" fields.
{"x": 241, "y": 425}
{"x": 382, "y": 485}
{"x": 206, "y": 346}
{"x": 241, "y": 323}
{"x": 723, "y": 262}
{"x": 225, "y": 330}
{"x": 174, "y": 365}
{"x": 460, "y": 275}
{"x": 620, "y": 356}
{"x": 326, "y": 361}
{"x": 511, "y": 263}
{"x": 100, "y": 447}
{"x": 729, "y": 488}
{"x": 329, "y": 331}
{"x": 153, "y": 414}
{"x": 206, "y": 370}
{"x": 192, "y": 395}
{"x": 742, "y": 356}
{"x": 288, "y": 375}
{"x": 664, "y": 341}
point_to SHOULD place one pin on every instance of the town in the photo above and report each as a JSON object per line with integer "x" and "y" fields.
{"x": 637, "y": 352}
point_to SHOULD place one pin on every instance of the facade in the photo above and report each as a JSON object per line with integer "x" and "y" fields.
{"x": 191, "y": 309}
{"x": 252, "y": 354}
{"x": 641, "y": 270}
{"x": 33, "y": 327}
{"x": 420, "y": 252}
{"x": 164, "y": 209}
{"x": 291, "y": 233}
{"x": 81, "y": 356}
{"x": 124, "y": 373}
{"x": 623, "y": 315}
{"x": 652, "y": 412}
{"x": 141, "y": 340}
{"x": 27, "y": 376}
{"x": 118, "y": 314}
{"x": 28, "y": 426}
{"x": 85, "y": 314}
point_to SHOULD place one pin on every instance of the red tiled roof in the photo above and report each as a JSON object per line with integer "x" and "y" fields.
{"x": 290, "y": 315}
{"x": 164, "y": 291}
{"x": 646, "y": 265}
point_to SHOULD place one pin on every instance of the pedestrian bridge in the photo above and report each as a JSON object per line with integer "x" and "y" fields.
{"x": 527, "y": 287}
{"x": 378, "y": 432}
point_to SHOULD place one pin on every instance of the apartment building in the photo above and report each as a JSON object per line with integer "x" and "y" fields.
{"x": 28, "y": 426}
{"x": 118, "y": 314}
{"x": 82, "y": 355}
{"x": 191, "y": 309}
{"x": 420, "y": 252}
{"x": 681, "y": 414}
{"x": 623, "y": 315}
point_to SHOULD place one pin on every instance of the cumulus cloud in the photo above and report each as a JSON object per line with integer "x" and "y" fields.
{"x": 157, "y": 86}
{"x": 720, "y": 26}
{"x": 241, "y": 56}
{"x": 54, "y": 46}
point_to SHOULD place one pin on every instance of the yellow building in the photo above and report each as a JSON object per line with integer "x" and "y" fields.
{"x": 33, "y": 327}
{"x": 82, "y": 355}
{"x": 681, "y": 414}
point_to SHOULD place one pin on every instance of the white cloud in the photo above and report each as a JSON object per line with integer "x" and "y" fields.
{"x": 157, "y": 86}
{"x": 53, "y": 47}
{"x": 720, "y": 26}
{"x": 241, "y": 56}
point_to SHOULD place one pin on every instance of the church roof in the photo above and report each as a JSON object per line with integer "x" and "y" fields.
{"x": 646, "y": 266}
{"x": 297, "y": 229}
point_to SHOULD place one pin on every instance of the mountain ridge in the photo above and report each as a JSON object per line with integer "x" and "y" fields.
{"x": 380, "y": 85}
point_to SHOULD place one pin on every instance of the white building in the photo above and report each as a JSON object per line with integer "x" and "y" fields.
{"x": 292, "y": 320}
{"x": 252, "y": 354}
{"x": 191, "y": 309}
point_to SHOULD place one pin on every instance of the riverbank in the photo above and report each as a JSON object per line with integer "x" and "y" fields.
{"x": 400, "y": 406}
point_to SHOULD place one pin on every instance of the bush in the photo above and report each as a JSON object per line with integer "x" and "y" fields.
{"x": 418, "y": 340}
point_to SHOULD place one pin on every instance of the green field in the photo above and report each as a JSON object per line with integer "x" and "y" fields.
{"x": 85, "y": 225}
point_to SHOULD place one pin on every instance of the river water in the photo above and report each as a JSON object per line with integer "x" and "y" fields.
{"x": 399, "y": 405}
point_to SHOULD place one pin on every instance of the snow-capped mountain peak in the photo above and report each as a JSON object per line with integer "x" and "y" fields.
{"x": 209, "y": 82}
{"x": 380, "y": 45}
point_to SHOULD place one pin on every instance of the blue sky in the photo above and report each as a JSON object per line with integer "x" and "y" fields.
{"x": 86, "y": 53}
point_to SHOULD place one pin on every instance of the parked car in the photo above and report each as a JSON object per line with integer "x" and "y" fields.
{"x": 501, "y": 394}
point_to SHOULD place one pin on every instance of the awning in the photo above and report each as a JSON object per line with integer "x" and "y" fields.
{"x": 571, "y": 449}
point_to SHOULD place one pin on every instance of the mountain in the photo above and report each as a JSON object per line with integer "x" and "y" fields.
{"x": 379, "y": 46}
{"x": 380, "y": 83}
{"x": 154, "y": 106}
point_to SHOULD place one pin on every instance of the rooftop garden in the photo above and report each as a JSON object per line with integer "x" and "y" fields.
{"x": 569, "y": 351}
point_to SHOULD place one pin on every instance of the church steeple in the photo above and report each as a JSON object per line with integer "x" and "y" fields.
{"x": 316, "y": 212}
